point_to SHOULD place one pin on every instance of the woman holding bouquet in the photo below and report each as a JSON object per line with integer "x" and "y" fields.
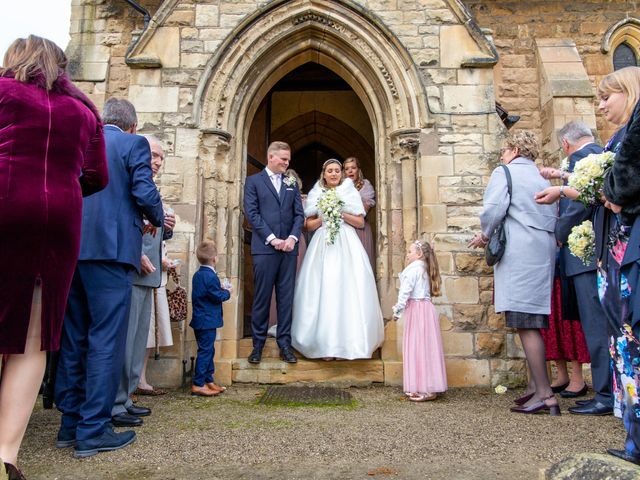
{"x": 336, "y": 312}
{"x": 617, "y": 238}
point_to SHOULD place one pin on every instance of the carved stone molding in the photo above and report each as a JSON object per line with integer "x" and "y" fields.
{"x": 405, "y": 144}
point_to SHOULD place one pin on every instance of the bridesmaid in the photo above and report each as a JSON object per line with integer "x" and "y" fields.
{"x": 368, "y": 195}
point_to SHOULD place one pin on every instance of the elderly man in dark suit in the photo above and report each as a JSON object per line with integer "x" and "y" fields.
{"x": 124, "y": 412}
{"x": 273, "y": 207}
{"x": 578, "y": 142}
{"x": 95, "y": 323}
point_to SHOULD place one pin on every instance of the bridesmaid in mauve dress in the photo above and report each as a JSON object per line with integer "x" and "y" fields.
{"x": 367, "y": 193}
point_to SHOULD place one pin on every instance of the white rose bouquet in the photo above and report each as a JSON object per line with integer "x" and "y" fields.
{"x": 588, "y": 175}
{"x": 582, "y": 241}
{"x": 330, "y": 206}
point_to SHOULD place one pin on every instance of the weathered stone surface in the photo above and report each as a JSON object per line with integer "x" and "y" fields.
{"x": 489, "y": 344}
{"x": 591, "y": 466}
{"x": 472, "y": 263}
{"x": 468, "y": 317}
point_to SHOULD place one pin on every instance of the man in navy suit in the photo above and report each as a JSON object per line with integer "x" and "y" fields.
{"x": 95, "y": 323}
{"x": 273, "y": 207}
{"x": 577, "y": 143}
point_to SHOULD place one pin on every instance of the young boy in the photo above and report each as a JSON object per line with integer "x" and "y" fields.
{"x": 207, "y": 296}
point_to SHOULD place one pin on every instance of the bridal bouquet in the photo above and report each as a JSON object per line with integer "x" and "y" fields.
{"x": 330, "y": 205}
{"x": 582, "y": 241}
{"x": 588, "y": 175}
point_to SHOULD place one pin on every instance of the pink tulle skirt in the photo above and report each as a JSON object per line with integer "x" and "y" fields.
{"x": 423, "y": 366}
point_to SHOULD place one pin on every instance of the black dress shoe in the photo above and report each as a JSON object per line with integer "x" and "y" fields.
{"x": 126, "y": 420}
{"x": 569, "y": 394}
{"x": 287, "y": 355}
{"x": 559, "y": 388}
{"x": 256, "y": 356}
{"x": 138, "y": 411}
{"x": 587, "y": 401}
{"x": 595, "y": 408}
{"x": 624, "y": 456}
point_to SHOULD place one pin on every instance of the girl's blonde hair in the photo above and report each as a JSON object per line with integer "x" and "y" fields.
{"x": 331, "y": 161}
{"x": 34, "y": 59}
{"x": 292, "y": 173}
{"x": 433, "y": 270}
{"x": 626, "y": 81}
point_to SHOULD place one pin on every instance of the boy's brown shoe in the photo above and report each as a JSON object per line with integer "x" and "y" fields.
{"x": 202, "y": 391}
{"x": 215, "y": 388}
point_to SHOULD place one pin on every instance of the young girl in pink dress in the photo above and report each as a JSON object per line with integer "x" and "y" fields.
{"x": 424, "y": 372}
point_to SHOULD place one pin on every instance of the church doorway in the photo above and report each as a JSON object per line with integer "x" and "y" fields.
{"x": 320, "y": 116}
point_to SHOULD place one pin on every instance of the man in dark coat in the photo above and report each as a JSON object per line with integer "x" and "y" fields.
{"x": 95, "y": 324}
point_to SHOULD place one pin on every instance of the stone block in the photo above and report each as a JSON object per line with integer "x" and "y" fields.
{"x": 434, "y": 218}
{"x": 91, "y": 72}
{"x": 180, "y": 18}
{"x": 434, "y": 165}
{"x": 146, "y": 76}
{"x": 457, "y": 344}
{"x": 472, "y": 263}
{"x": 468, "y": 317}
{"x": 456, "y": 45}
{"x": 514, "y": 346}
{"x": 393, "y": 373}
{"x": 489, "y": 344}
{"x": 471, "y": 164}
{"x": 165, "y": 45}
{"x": 462, "y": 289}
{"x": 428, "y": 189}
{"x": 467, "y": 372}
{"x": 461, "y": 195}
{"x": 187, "y": 142}
{"x": 445, "y": 262}
{"x": 475, "y": 76}
{"x": 154, "y": 99}
{"x": 207, "y": 16}
{"x": 468, "y": 99}
{"x": 194, "y": 60}
{"x": 510, "y": 373}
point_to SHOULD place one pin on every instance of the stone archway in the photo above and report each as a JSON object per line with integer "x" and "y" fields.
{"x": 267, "y": 46}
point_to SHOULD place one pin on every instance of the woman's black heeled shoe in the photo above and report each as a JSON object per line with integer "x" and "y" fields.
{"x": 580, "y": 393}
{"x": 541, "y": 406}
{"x": 523, "y": 399}
{"x": 559, "y": 388}
{"x": 13, "y": 473}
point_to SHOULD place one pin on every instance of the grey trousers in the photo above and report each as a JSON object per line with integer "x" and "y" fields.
{"x": 594, "y": 325}
{"x": 136, "y": 347}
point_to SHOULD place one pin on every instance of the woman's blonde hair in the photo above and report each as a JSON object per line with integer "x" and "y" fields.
{"x": 34, "y": 60}
{"x": 431, "y": 263}
{"x": 331, "y": 161}
{"x": 525, "y": 141}
{"x": 626, "y": 81}
{"x": 359, "y": 182}
{"x": 292, "y": 173}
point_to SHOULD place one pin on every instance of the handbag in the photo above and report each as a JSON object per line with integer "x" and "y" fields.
{"x": 177, "y": 299}
{"x": 497, "y": 243}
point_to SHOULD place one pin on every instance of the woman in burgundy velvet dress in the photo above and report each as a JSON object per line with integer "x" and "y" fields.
{"x": 51, "y": 154}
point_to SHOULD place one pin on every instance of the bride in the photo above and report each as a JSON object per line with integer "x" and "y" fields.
{"x": 336, "y": 312}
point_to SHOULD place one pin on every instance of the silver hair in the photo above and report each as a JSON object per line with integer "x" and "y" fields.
{"x": 153, "y": 139}
{"x": 119, "y": 112}
{"x": 574, "y": 131}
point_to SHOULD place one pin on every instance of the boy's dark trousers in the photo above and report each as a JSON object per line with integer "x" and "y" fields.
{"x": 203, "y": 372}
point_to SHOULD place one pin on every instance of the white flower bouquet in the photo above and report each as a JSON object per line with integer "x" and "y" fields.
{"x": 330, "y": 206}
{"x": 582, "y": 242}
{"x": 588, "y": 175}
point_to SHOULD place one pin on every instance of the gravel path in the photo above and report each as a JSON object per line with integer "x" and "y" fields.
{"x": 467, "y": 434}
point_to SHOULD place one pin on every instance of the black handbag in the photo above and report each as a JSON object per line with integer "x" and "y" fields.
{"x": 498, "y": 239}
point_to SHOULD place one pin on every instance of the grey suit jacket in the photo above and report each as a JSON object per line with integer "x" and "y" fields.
{"x": 152, "y": 248}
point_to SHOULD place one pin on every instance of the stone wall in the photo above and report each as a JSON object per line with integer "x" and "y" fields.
{"x": 428, "y": 87}
{"x": 516, "y": 25}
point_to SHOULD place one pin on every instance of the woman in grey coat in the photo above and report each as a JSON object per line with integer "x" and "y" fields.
{"x": 523, "y": 277}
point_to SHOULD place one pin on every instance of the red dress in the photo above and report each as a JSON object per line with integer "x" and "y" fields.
{"x": 51, "y": 153}
{"x": 564, "y": 339}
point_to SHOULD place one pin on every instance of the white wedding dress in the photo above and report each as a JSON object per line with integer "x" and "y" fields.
{"x": 336, "y": 311}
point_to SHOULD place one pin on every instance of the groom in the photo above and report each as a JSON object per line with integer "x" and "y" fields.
{"x": 273, "y": 207}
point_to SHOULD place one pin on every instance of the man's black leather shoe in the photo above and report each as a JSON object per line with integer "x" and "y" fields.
{"x": 624, "y": 456}
{"x": 588, "y": 401}
{"x": 595, "y": 408}
{"x": 126, "y": 420}
{"x": 256, "y": 356}
{"x": 287, "y": 355}
{"x": 138, "y": 411}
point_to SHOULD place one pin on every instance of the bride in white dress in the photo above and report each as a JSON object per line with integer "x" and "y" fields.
{"x": 336, "y": 312}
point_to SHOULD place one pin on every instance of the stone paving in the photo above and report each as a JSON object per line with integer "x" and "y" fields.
{"x": 466, "y": 434}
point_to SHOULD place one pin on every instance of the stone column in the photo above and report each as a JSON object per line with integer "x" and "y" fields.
{"x": 219, "y": 213}
{"x": 402, "y": 176}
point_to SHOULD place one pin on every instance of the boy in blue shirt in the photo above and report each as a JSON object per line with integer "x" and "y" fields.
{"x": 207, "y": 295}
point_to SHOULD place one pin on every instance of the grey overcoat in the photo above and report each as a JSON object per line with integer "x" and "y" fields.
{"x": 523, "y": 278}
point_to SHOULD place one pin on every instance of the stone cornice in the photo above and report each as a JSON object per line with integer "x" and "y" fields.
{"x": 615, "y": 28}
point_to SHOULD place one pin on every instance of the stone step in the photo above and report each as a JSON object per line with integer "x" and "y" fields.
{"x": 338, "y": 372}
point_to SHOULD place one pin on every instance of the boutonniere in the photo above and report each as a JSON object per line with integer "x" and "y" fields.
{"x": 289, "y": 181}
